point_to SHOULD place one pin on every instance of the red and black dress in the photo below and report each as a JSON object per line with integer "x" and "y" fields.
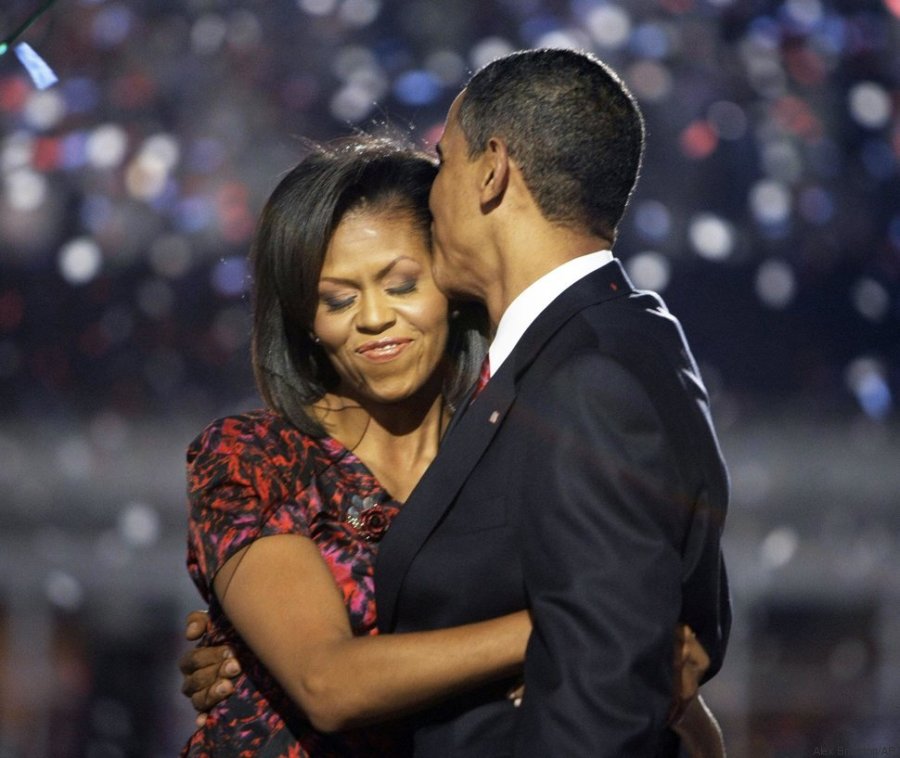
{"x": 255, "y": 475}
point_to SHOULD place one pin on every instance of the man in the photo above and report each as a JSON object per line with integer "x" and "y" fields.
{"x": 585, "y": 482}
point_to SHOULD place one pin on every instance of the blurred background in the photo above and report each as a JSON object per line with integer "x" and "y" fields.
{"x": 768, "y": 216}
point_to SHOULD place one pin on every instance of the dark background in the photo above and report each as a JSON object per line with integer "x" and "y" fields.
{"x": 768, "y": 216}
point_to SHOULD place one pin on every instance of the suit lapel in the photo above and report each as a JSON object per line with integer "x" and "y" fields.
{"x": 461, "y": 449}
{"x": 470, "y": 434}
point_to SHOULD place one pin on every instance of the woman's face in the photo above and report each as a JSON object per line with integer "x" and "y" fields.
{"x": 381, "y": 319}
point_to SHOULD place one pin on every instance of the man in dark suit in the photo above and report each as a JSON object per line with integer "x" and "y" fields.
{"x": 585, "y": 482}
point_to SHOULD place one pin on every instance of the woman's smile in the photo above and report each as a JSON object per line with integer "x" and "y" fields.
{"x": 383, "y": 350}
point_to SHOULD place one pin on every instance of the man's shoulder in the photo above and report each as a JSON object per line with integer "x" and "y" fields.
{"x": 638, "y": 320}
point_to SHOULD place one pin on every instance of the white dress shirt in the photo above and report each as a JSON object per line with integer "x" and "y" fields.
{"x": 531, "y": 302}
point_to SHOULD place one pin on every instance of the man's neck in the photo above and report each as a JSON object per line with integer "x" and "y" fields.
{"x": 531, "y": 254}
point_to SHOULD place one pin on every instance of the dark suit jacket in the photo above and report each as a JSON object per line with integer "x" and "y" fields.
{"x": 586, "y": 484}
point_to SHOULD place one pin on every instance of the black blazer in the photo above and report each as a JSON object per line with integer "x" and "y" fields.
{"x": 586, "y": 484}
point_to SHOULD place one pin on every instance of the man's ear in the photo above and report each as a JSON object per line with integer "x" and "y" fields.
{"x": 495, "y": 175}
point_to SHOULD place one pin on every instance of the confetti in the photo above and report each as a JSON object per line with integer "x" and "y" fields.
{"x": 41, "y": 74}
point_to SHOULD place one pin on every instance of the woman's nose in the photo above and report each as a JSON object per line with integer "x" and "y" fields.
{"x": 375, "y": 314}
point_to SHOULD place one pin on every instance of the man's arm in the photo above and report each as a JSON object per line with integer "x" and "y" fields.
{"x": 604, "y": 517}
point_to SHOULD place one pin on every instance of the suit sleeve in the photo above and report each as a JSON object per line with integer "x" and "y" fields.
{"x": 605, "y": 515}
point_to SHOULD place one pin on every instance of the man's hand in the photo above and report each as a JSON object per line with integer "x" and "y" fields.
{"x": 691, "y": 663}
{"x": 207, "y": 671}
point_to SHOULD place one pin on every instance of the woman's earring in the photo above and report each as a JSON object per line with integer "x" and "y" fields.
{"x": 315, "y": 338}
{"x": 454, "y": 314}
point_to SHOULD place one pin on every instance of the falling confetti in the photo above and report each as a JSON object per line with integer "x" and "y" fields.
{"x": 41, "y": 74}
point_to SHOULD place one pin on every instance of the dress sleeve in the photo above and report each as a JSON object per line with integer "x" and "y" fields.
{"x": 237, "y": 493}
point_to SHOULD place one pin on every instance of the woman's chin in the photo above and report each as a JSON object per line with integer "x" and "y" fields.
{"x": 400, "y": 394}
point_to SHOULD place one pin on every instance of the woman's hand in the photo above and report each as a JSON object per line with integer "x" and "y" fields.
{"x": 691, "y": 663}
{"x": 689, "y": 716}
{"x": 700, "y": 734}
{"x": 207, "y": 670}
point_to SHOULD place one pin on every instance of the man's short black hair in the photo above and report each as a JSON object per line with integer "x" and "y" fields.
{"x": 571, "y": 125}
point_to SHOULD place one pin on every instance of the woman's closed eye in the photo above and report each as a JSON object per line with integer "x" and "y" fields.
{"x": 403, "y": 288}
{"x": 337, "y": 302}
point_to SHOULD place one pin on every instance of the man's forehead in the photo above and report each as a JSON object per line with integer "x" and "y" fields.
{"x": 451, "y": 125}
{"x": 453, "y": 112}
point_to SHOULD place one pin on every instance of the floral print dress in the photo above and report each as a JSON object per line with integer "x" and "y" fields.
{"x": 254, "y": 475}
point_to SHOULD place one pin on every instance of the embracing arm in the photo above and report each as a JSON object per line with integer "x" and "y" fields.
{"x": 248, "y": 547}
{"x": 280, "y": 596}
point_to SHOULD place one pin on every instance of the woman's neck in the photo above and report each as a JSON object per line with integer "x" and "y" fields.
{"x": 396, "y": 441}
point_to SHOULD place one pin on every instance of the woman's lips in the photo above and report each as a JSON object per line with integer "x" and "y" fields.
{"x": 381, "y": 351}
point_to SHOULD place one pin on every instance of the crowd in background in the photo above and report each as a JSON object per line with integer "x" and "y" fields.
{"x": 767, "y": 215}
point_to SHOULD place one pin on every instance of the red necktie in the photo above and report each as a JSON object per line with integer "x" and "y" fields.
{"x": 483, "y": 377}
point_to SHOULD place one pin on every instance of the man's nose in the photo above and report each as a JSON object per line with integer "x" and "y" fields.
{"x": 375, "y": 314}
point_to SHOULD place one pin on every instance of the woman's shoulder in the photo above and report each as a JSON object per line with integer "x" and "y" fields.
{"x": 252, "y": 430}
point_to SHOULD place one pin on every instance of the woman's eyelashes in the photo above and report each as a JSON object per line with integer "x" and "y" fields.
{"x": 405, "y": 287}
{"x": 339, "y": 302}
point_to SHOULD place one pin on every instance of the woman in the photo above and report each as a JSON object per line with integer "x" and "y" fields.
{"x": 361, "y": 368}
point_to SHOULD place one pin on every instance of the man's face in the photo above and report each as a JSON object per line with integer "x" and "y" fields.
{"x": 454, "y": 203}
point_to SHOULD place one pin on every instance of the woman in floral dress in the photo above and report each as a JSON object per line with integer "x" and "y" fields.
{"x": 359, "y": 366}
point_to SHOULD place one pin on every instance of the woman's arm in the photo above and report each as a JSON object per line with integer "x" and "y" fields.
{"x": 208, "y": 670}
{"x": 282, "y": 599}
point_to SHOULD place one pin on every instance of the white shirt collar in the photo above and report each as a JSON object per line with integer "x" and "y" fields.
{"x": 531, "y": 302}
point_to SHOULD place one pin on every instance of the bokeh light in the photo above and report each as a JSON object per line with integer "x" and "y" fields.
{"x": 229, "y": 277}
{"x": 711, "y": 236}
{"x": 779, "y": 547}
{"x": 24, "y": 190}
{"x": 766, "y": 214}
{"x": 650, "y": 81}
{"x": 649, "y": 270}
{"x": 106, "y": 146}
{"x": 64, "y": 590}
{"x": 866, "y": 379}
{"x": 652, "y": 219}
{"x": 871, "y": 299}
{"x": 770, "y": 202}
{"x": 870, "y": 104}
{"x": 776, "y": 284}
{"x": 139, "y": 525}
{"x": 80, "y": 260}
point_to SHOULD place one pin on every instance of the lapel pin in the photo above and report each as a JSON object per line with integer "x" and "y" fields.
{"x": 494, "y": 417}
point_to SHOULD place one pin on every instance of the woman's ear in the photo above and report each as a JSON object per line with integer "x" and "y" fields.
{"x": 495, "y": 177}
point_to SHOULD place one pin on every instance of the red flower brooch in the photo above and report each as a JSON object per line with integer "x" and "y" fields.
{"x": 367, "y": 517}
